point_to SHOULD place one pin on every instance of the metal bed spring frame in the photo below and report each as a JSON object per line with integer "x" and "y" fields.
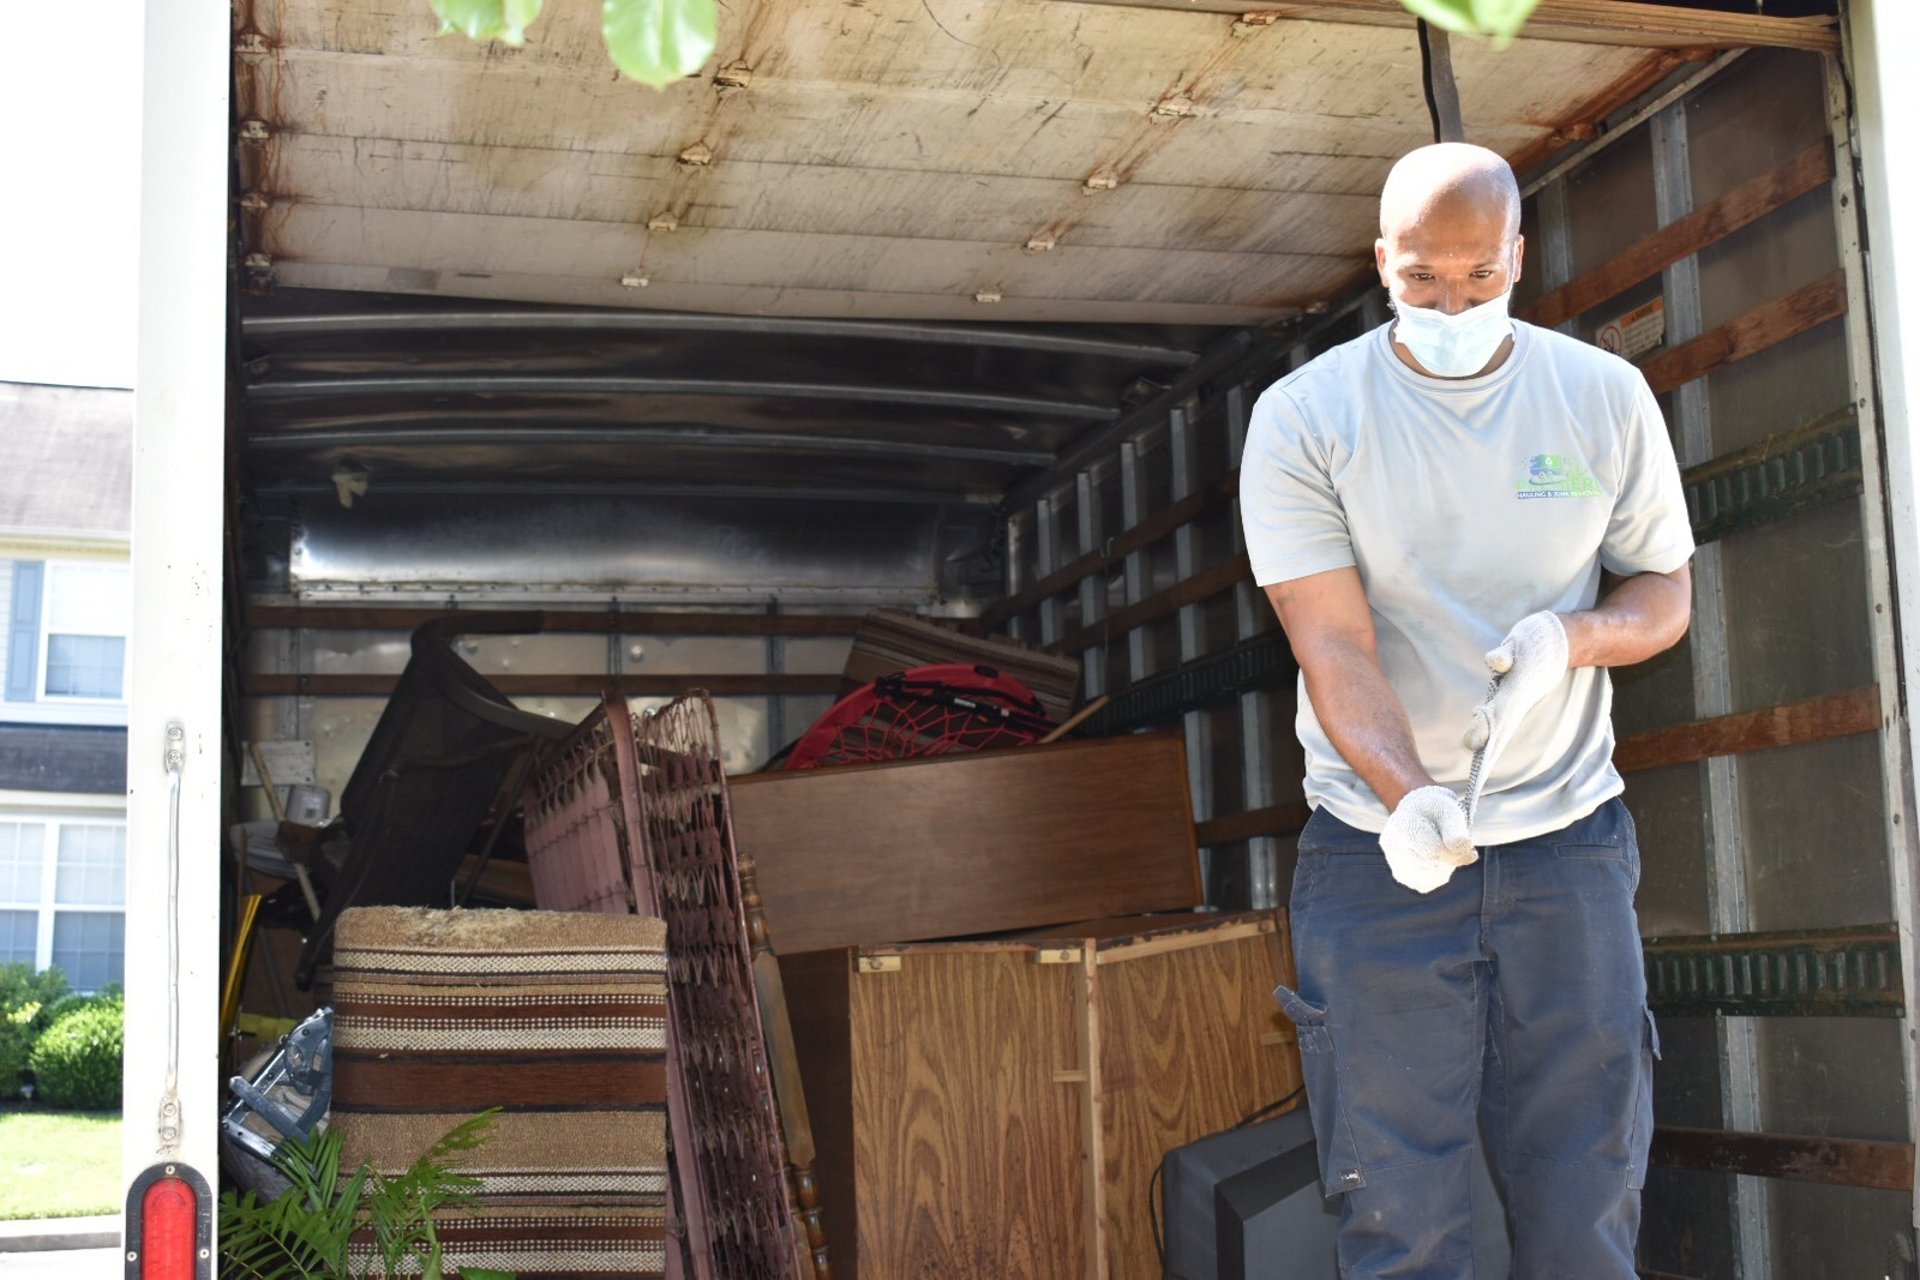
{"x": 632, "y": 815}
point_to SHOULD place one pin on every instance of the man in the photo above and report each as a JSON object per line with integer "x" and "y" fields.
{"x": 1454, "y": 496}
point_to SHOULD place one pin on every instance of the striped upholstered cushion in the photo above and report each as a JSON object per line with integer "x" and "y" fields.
{"x": 557, "y": 1018}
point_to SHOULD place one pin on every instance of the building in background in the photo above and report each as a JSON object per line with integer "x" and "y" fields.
{"x": 66, "y": 465}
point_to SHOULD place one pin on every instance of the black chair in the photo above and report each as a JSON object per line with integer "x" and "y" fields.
{"x": 446, "y": 749}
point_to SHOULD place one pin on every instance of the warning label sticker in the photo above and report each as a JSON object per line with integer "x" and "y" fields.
{"x": 1638, "y": 331}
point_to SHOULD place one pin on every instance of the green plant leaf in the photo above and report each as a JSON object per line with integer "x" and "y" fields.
{"x": 658, "y": 41}
{"x": 1448, "y": 15}
{"x": 306, "y": 1233}
{"x": 503, "y": 20}
{"x": 482, "y": 1273}
{"x": 1501, "y": 19}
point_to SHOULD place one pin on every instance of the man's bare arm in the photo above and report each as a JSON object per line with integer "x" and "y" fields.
{"x": 1327, "y": 622}
{"x": 1635, "y": 619}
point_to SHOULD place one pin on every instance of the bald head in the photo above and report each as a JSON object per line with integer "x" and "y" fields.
{"x": 1449, "y": 228}
{"x": 1449, "y": 179}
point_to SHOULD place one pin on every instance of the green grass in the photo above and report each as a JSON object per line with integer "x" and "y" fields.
{"x": 59, "y": 1164}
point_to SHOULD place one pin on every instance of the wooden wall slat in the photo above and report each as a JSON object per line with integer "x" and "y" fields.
{"x": 1744, "y": 204}
{"x": 1825, "y": 299}
{"x": 375, "y": 685}
{"x": 1841, "y": 1162}
{"x": 598, "y": 622}
{"x": 1836, "y": 715}
{"x": 1585, "y": 121}
{"x": 1201, "y": 586}
{"x": 1161, "y": 524}
{"x": 1274, "y": 820}
{"x": 1789, "y": 724}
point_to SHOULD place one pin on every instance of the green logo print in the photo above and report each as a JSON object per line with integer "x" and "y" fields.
{"x": 1554, "y": 475}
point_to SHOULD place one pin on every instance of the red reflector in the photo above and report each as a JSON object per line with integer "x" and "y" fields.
{"x": 169, "y": 1215}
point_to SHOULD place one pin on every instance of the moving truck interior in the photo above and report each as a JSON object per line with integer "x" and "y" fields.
{"x": 959, "y": 309}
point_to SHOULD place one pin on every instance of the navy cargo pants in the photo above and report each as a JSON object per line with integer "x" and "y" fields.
{"x": 1513, "y": 996}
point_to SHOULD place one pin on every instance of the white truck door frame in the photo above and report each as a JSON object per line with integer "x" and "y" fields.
{"x": 172, "y": 948}
{"x": 1886, "y": 98}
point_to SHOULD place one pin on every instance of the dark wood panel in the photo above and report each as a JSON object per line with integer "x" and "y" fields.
{"x": 1843, "y": 1162}
{"x": 1275, "y": 820}
{"x": 1738, "y": 207}
{"x": 817, "y": 991}
{"x": 641, "y": 622}
{"x": 1153, "y": 528}
{"x": 1746, "y": 335}
{"x": 1809, "y": 720}
{"x": 502, "y": 879}
{"x": 1201, "y": 586}
{"x": 970, "y": 844}
{"x": 371, "y": 685}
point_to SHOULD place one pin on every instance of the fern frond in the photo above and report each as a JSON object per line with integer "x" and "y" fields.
{"x": 306, "y": 1234}
{"x": 401, "y": 1208}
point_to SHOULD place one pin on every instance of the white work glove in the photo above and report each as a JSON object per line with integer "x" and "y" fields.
{"x": 1529, "y": 663}
{"x": 1426, "y": 838}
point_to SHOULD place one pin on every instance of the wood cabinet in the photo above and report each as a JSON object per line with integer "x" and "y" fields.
{"x": 997, "y": 1108}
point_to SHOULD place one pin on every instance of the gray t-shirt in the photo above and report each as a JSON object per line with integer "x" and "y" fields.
{"x": 1467, "y": 504}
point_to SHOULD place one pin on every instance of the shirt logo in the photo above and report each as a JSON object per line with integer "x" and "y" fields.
{"x": 1554, "y": 475}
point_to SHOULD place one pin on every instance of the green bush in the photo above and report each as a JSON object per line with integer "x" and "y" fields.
{"x": 19, "y": 985}
{"x": 50, "y": 1014}
{"x": 29, "y": 1003}
{"x": 76, "y": 1061}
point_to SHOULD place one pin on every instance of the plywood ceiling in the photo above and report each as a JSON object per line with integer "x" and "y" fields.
{"x": 885, "y": 158}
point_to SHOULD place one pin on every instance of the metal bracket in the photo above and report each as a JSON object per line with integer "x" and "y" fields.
{"x": 1780, "y": 477}
{"x": 1260, "y": 663}
{"x": 1815, "y": 972}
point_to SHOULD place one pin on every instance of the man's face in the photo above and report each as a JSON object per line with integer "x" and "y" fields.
{"x": 1449, "y": 257}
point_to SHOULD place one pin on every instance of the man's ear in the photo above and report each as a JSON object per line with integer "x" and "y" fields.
{"x": 1380, "y": 264}
{"x": 1519, "y": 256}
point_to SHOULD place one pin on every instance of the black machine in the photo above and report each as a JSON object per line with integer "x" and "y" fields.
{"x": 448, "y": 751}
{"x": 1246, "y": 1204}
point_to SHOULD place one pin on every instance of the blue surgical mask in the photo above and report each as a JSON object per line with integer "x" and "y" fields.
{"x": 1456, "y": 346}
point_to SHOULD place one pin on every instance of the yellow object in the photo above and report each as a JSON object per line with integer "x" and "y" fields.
{"x": 237, "y": 968}
{"x": 261, "y": 1027}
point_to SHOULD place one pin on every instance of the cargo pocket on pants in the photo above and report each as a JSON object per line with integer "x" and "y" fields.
{"x": 1339, "y": 1167}
{"x": 1640, "y": 1132}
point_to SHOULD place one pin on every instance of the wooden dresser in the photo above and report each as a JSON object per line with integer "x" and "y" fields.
{"x": 996, "y": 1109}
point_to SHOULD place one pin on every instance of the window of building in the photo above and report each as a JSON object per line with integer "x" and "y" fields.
{"x": 85, "y": 628}
{"x": 20, "y": 883}
{"x": 69, "y": 908}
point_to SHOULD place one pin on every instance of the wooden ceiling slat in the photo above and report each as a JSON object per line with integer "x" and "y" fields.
{"x": 1596, "y": 22}
{"x": 450, "y": 244}
{"x": 778, "y": 300}
{"x": 584, "y": 187}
